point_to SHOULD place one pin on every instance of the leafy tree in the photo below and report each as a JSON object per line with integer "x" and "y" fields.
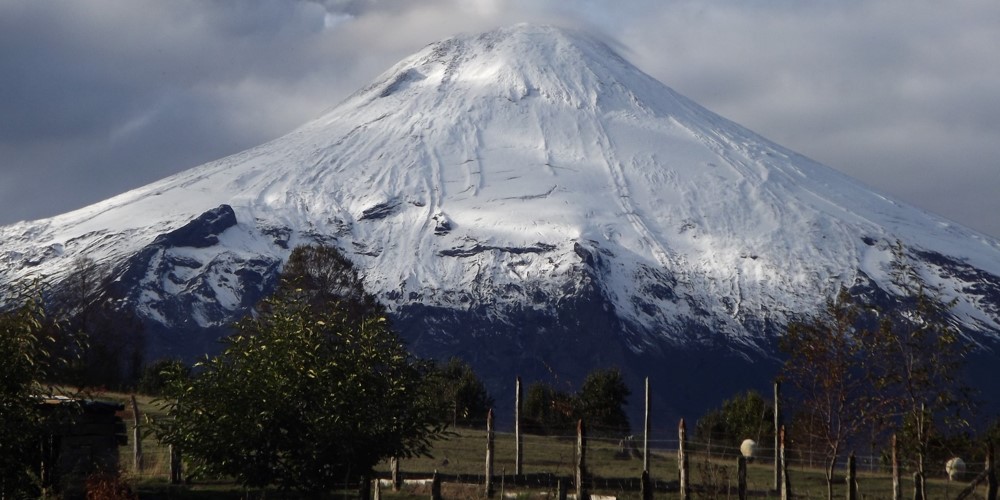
{"x": 549, "y": 411}
{"x": 601, "y": 402}
{"x": 460, "y": 393}
{"x": 156, "y": 377}
{"x": 743, "y": 416}
{"x": 303, "y": 397}
{"x": 27, "y": 337}
{"x": 827, "y": 367}
{"x": 319, "y": 274}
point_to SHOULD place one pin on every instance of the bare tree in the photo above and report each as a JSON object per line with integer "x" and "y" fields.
{"x": 827, "y": 368}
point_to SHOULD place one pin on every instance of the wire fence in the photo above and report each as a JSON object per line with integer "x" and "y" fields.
{"x": 614, "y": 465}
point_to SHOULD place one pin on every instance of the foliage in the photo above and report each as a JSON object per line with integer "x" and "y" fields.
{"x": 459, "y": 392}
{"x": 920, "y": 358}
{"x": 108, "y": 485}
{"x": 155, "y": 377}
{"x": 302, "y": 397}
{"x": 26, "y": 340}
{"x": 601, "y": 402}
{"x": 548, "y": 411}
{"x": 743, "y": 416}
{"x": 320, "y": 274}
{"x": 111, "y": 355}
{"x": 828, "y": 366}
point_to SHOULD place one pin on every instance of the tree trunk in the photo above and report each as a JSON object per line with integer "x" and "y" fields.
{"x": 777, "y": 426}
{"x": 581, "y": 462}
{"x": 682, "y": 461}
{"x": 489, "y": 454}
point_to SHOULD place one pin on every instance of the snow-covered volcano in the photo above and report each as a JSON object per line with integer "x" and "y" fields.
{"x": 529, "y": 200}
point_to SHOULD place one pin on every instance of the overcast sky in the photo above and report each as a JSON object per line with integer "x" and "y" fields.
{"x": 101, "y": 96}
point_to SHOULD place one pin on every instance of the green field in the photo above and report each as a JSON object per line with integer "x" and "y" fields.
{"x": 460, "y": 462}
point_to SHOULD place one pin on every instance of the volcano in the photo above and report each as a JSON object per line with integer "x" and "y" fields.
{"x": 530, "y": 201}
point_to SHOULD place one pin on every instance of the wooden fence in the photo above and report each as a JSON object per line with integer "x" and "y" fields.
{"x": 485, "y": 463}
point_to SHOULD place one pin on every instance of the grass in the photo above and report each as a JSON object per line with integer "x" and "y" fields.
{"x": 460, "y": 461}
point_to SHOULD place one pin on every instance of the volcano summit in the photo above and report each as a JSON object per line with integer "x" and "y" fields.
{"x": 530, "y": 201}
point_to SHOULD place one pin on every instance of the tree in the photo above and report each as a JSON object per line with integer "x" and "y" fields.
{"x": 920, "y": 358}
{"x": 114, "y": 335}
{"x": 319, "y": 274}
{"x": 303, "y": 397}
{"x": 743, "y": 416}
{"x": 827, "y": 366}
{"x": 27, "y": 338}
{"x": 601, "y": 402}
{"x": 156, "y": 377}
{"x": 549, "y": 411}
{"x": 460, "y": 393}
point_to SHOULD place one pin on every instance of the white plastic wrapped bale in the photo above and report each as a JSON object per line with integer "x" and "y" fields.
{"x": 748, "y": 448}
{"x": 955, "y": 468}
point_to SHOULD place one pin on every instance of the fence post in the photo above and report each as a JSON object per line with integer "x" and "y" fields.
{"x": 786, "y": 485}
{"x": 364, "y": 487}
{"x": 897, "y": 486}
{"x": 991, "y": 473}
{"x": 581, "y": 462}
{"x": 741, "y": 477}
{"x": 518, "y": 437}
{"x": 645, "y": 433}
{"x": 646, "y": 489}
{"x": 136, "y": 438}
{"x": 435, "y": 486}
{"x": 852, "y": 478}
{"x": 682, "y": 460}
{"x": 175, "y": 465}
{"x": 777, "y": 426}
{"x": 561, "y": 489}
{"x": 397, "y": 480}
{"x": 489, "y": 454}
{"x": 377, "y": 495}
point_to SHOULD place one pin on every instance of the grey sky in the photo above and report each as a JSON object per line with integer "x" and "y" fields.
{"x": 101, "y": 96}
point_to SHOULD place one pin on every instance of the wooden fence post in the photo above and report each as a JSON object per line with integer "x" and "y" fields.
{"x": 561, "y": 489}
{"x": 852, "y": 478}
{"x": 489, "y": 454}
{"x": 377, "y": 495}
{"x": 897, "y": 486}
{"x": 175, "y": 464}
{"x": 786, "y": 485}
{"x": 435, "y": 486}
{"x": 646, "y": 489}
{"x": 136, "y": 438}
{"x": 777, "y": 426}
{"x": 518, "y": 437}
{"x": 581, "y": 462}
{"x": 645, "y": 433}
{"x": 682, "y": 461}
{"x": 991, "y": 473}
{"x": 365, "y": 488}
{"x": 741, "y": 477}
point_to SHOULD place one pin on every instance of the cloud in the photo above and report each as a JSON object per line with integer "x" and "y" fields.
{"x": 100, "y": 96}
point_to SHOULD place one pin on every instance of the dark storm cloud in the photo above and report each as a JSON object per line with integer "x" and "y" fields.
{"x": 100, "y": 96}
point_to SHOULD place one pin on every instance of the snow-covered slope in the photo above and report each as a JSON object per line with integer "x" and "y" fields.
{"x": 525, "y": 184}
